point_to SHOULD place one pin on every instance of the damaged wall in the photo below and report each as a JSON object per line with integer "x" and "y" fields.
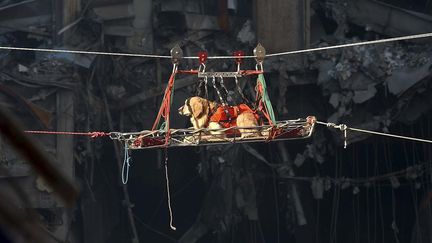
{"x": 233, "y": 193}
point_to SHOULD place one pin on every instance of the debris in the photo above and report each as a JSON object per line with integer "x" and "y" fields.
{"x": 201, "y": 22}
{"x": 299, "y": 160}
{"x": 345, "y": 184}
{"x": 361, "y": 96}
{"x": 255, "y": 153}
{"x": 403, "y": 79}
{"x": 356, "y": 190}
{"x": 232, "y": 4}
{"x": 112, "y": 12}
{"x": 22, "y": 68}
{"x": 246, "y": 34}
{"x": 15, "y": 4}
{"x": 317, "y": 187}
{"x": 79, "y": 59}
{"x": 399, "y": 21}
{"x": 116, "y": 92}
{"x": 41, "y": 185}
{"x": 394, "y": 182}
{"x": 335, "y": 99}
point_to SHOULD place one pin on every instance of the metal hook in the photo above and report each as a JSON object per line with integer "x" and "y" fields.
{"x": 201, "y": 68}
{"x": 259, "y": 67}
{"x": 174, "y": 70}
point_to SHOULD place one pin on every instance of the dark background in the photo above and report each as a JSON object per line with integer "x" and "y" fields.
{"x": 312, "y": 190}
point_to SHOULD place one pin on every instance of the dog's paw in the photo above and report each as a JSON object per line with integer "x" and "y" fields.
{"x": 191, "y": 139}
{"x": 249, "y": 133}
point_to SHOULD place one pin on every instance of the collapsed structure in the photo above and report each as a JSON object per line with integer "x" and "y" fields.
{"x": 66, "y": 92}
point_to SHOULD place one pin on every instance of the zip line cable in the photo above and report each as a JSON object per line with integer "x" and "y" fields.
{"x": 408, "y": 37}
{"x": 344, "y": 128}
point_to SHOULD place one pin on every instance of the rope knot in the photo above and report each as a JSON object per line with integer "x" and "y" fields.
{"x": 98, "y": 134}
{"x": 343, "y": 127}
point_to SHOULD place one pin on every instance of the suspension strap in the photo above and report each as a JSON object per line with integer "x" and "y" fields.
{"x": 222, "y": 84}
{"x": 218, "y": 92}
{"x": 264, "y": 103}
{"x": 239, "y": 89}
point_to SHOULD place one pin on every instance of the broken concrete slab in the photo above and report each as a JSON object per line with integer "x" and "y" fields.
{"x": 112, "y": 12}
{"x": 358, "y": 81}
{"x": 246, "y": 34}
{"x": 193, "y": 6}
{"x": 361, "y": 96}
{"x": 201, "y": 22}
{"x": 387, "y": 19}
{"x": 23, "y": 24}
{"x": 118, "y": 30}
{"x": 335, "y": 99}
{"x": 79, "y": 59}
{"x": 403, "y": 79}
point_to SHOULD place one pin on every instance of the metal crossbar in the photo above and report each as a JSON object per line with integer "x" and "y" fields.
{"x": 220, "y": 74}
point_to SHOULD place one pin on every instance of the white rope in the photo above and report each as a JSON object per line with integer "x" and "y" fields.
{"x": 408, "y": 37}
{"x": 168, "y": 191}
{"x": 344, "y": 128}
{"x": 126, "y": 165}
{"x": 391, "y": 135}
{"x": 83, "y": 52}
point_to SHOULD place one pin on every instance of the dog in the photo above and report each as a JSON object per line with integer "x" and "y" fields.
{"x": 204, "y": 113}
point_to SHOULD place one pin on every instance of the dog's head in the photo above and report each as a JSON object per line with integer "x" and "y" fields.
{"x": 196, "y": 107}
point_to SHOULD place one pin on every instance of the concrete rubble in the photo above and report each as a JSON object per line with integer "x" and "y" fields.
{"x": 338, "y": 85}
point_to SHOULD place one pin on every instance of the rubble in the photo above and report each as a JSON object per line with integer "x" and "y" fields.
{"x": 403, "y": 79}
{"x": 246, "y": 34}
{"x": 367, "y": 87}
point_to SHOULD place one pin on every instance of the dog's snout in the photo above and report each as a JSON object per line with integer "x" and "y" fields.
{"x": 180, "y": 110}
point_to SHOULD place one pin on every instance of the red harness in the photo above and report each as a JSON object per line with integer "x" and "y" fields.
{"x": 226, "y": 116}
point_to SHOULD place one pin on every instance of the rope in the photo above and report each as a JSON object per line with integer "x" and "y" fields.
{"x": 83, "y": 52}
{"x": 419, "y": 169}
{"x": 90, "y": 134}
{"x": 239, "y": 89}
{"x": 126, "y": 165}
{"x": 164, "y": 109}
{"x": 168, "y": 190}
{"x": 408, "y": 37}
{"x": 344, "y": 128}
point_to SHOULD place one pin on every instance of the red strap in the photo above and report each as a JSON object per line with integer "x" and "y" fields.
{"x": 192, "y": 71}
{"x": 251, "y": 72}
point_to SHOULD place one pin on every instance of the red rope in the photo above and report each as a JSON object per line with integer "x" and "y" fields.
{"x": 90, "y": 134}
{"x": 164, "y": 110}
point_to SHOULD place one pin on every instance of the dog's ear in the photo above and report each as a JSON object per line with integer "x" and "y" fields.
{"x": 197, "y": 108}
